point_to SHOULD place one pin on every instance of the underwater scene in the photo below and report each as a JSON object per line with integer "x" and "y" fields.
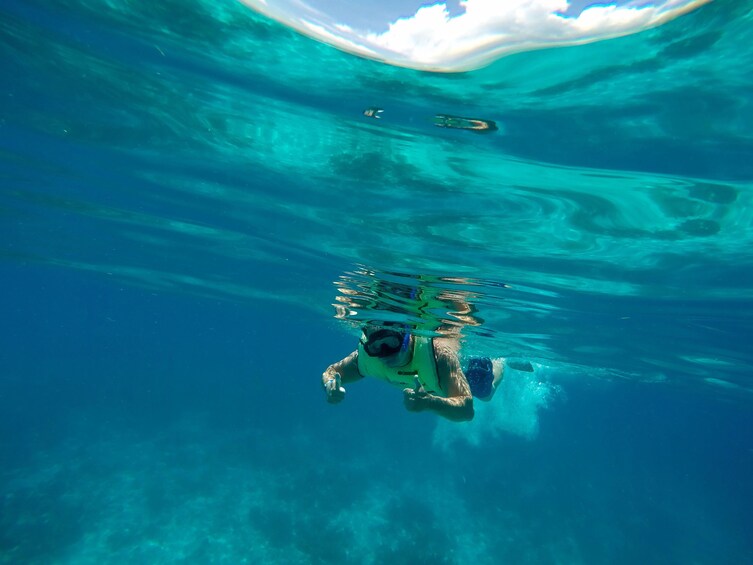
{"x": 210, "y": 207}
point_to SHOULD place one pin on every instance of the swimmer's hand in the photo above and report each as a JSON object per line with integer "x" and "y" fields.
{"x": 415, "y": 398}
{"x": 334, "y": 389}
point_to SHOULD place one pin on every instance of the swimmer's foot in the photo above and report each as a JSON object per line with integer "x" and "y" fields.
{"x": 524, "y": 366}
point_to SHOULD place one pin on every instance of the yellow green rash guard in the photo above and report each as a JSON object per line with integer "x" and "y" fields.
{"x": 422, "y": 364}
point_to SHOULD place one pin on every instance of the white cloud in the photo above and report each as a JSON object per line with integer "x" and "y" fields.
{"x": 431, "y": 39}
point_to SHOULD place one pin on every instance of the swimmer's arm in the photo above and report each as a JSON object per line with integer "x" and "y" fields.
{"x": 347, "y": 369}
{"x": 458, "y": 403}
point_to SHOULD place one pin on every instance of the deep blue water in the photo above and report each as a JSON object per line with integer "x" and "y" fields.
{"x": 188, "y": 189}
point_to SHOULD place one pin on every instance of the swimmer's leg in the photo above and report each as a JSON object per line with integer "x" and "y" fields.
{"x": 498, "y": 369}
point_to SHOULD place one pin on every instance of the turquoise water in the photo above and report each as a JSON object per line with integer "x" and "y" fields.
{"x": 195, "y": 214}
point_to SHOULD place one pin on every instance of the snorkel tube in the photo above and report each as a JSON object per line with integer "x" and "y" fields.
{"x": 406, "y": 340}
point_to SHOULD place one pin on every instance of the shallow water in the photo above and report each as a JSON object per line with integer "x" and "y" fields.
{"x": 188, "y": 188}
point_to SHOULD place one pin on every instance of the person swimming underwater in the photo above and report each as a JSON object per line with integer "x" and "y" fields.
{"x": 428, "y": 369}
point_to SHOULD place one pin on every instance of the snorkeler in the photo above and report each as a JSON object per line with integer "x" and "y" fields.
{"x": 373, "y": 112}
{"x": 458, "y": 122}
{"x": 427, "y": 367}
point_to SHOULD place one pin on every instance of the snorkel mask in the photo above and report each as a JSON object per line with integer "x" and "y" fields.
{"x": 386, "y": 341}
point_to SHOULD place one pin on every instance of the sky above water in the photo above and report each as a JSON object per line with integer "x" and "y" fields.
{"x": 463, "y": 35}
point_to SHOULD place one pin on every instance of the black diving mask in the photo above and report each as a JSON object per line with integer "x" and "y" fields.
{"x": 384, "y": 342}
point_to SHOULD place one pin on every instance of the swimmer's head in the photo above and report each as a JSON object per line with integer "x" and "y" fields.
{"x": 385, "y": 339}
